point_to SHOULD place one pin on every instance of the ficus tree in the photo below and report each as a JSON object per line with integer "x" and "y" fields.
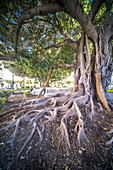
{"x": 33, "y": 68}
{"x": 85, "y": 25}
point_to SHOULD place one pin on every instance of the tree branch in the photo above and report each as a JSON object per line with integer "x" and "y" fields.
{"x": 95, "y": 7}
{"x": 52, "y": 45}
{"x": 74, "y": 8}
{"x": 2, "y": 57}
{"x": 64, "y": 65}
{"x": 38, "y": 10}
{"x": 69, "y": 41}
{"x": 108, "y": 30}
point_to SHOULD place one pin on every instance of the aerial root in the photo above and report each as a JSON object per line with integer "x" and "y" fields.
{"x": 100, "y": 92}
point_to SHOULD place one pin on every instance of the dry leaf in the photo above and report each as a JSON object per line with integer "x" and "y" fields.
{"x": 80, "y": 151}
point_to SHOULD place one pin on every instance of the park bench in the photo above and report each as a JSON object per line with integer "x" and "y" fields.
{"x": 53, "y": 91}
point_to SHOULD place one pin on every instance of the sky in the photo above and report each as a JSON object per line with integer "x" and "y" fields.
{"x": 5, "y": 74}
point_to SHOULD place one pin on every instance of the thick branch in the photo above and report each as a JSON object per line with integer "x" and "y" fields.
{"x": 69, "y": 41}
{"x": 108, "y": 29}
{"x": 38, "y": 10}
{"x": 73, "y": 8}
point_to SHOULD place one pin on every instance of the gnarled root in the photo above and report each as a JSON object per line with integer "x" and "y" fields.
{"x": 80, "y": 126}
{"x": 111, "y": 140}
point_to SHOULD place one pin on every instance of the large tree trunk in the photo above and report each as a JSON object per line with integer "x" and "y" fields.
{"x": 102, "y": 69}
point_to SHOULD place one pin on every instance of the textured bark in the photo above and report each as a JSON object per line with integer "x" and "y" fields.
{"x": 80, "y": 57}
{"x": 69, "y": 42}
{"x": 100, "y": 92}
{"x": 75, "y": 77}
{"x": 106, "y": 52}
{"x": 75, "y": 88}
{"x": 87, "y": 65}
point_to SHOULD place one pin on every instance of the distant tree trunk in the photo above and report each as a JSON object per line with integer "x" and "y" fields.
{"x": 40, "y": 84}
{"x": 23, "y": 82}
{"x": 12, "y": 81}
{"x": 46, "y": 82}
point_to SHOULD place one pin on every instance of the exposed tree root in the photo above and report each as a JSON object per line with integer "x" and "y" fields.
{"x": 80, "y": 126}
{"x": 35, "y": 114}
{"x": 111, "y": 140}
{"x": 93, "y": 113}
{"x": 28, "y": 139}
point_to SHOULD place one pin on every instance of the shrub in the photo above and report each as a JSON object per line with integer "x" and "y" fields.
{"x": 27, "y": 93}
{"x": 27, "y": 87}
{"x": 68, "y": 82}
{"x": 4, "y": 95}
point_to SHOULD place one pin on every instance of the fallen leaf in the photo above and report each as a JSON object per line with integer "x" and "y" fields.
{"x": 83, "y": 149}
{"x": 28, "y": 149}
{"x": 80, "y": 151}
{"x": 22, "y": 157}
{"x": 2, "y": 143}
{"x": 105, "y": 128}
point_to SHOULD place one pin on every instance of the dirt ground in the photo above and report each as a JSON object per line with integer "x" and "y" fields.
{"x": 51, "y": 153}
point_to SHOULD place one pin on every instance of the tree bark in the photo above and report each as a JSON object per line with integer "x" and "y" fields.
{"x": 74, "y": 8}
{"x": 46, "y": 82}
{"x": 75, "y": 77}
{"x": 81, "y": 61}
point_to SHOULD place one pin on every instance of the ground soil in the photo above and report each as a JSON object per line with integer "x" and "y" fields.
{"x": 51, "y": 153}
